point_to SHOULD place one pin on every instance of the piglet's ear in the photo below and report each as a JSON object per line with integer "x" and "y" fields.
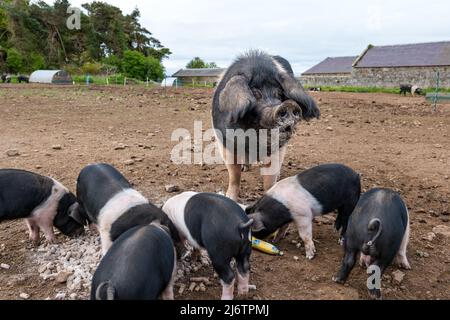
{"x": 293, "y": 90}
{"x": 236, "y": 98}
{"x": 75, "y": 212}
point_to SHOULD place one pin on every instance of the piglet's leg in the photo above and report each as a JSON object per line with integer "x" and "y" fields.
{"x": 168, "y": 292}
{"x": 401, "y": 260}
{"x": 304, "y": 225}
{"x": 243, "y": 273}
{"x": 347, "y": 265}
{"x": 33, "y": 229}
{"x": 47, "y": 228}
{"x": 226, "y": 275}
{"x": 227, "y": 290}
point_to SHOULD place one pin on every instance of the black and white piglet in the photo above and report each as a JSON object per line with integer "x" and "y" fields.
{"x": 109, "y": 201}
{"x": 140, "y": 265}
{"x": 42, "y": 201}
{"x": 300, "y": 198}
{"x": 378, "y": 229}
{"x": 219, "y": 225}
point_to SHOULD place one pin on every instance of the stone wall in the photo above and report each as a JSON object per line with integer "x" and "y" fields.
{"x": 424, "y": 77}
{"x": 198, "y": 80}
{"x": 332, "y": 80}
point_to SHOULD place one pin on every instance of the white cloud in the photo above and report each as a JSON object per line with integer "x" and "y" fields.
{"x": 305, "y": 32}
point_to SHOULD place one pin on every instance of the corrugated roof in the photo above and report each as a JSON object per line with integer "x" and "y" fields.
{"x": 206, "y": 72}
{"x": 333, "y": 65}
{"x": 407, "y": 55}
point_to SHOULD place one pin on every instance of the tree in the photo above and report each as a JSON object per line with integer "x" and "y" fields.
{"x": 212, "y": 65}
{"x": 14, "y": 61}
{"x": 136, "y": 65}
{"x": 39, "y": 33}
{"x": 198, "y": 63}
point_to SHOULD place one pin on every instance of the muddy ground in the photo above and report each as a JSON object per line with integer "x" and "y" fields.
{"x": 393, "y": 141}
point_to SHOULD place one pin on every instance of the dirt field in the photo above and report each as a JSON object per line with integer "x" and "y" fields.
{"x": 393, "y": 141}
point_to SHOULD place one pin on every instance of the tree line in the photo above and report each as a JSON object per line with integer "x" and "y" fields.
{"x": 34, "y": 35}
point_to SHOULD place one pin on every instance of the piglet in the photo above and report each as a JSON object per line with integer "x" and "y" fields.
{"x": 109, "y": 201}
{"x": 309, "y": 194}
{"x": 42, "y": 201}
{"x": 379, "y": 230}
{"x": 219, "y": 225}
{"x": 140, "y": 265}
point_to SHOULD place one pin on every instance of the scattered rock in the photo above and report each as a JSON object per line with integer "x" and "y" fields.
{"x": 330, "y": 129}
{"x": 442, "y": 230}
{"x": 422, "y": 254}
{"x": 5, "y": 266}
{"x": 62, "y": 277}
{"x": 429, "y": 237}
{"x": 200, "y": 280}
{"x": 129, "y": 162}
{"x": 296, "y": 258}
{"x": 57, "y": 147}
{"x": 24, "y": 296}
{"x": 60, "y": 296}
{"x": 172, "y": 188}
{"x": 398, "y": 276}
{"x": 13, "y": 153}
{"x": 120, "y": 146}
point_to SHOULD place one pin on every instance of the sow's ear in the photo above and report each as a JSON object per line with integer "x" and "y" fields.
{"x": 292, "y": 89}
{"x": 236, "y": 98}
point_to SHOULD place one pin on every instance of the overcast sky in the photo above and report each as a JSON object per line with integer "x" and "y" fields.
{"x": 304, "y": 32}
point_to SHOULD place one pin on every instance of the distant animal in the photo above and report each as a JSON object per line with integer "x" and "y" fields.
{"x": 408, "y": 88}
{"x": 258, "y": 91}
{"x": 42, "y": 201}
{"x": 378, "y": 230}
{"x": 22, "y": 78}
{"x": 6, "y": 78}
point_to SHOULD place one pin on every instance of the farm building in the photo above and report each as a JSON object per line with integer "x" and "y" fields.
{"x": 387, "y": 66}
{"x": 199, "y": 76}
{"x": 335, "y": 71}
{"x": 51, "y": 76}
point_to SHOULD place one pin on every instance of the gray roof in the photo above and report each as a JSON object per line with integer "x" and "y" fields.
{"x": 205, "y": 72}
{"x": 408, "y": 55}
{"x": 332, "y": 65}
